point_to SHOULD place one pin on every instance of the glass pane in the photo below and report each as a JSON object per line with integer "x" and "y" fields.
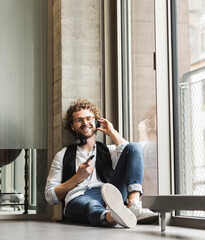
{"x": 144, "y": 88}
{"x": 23, "y": 77}
{"x": 190, "y": 84}
{"x": 23, "y": 105}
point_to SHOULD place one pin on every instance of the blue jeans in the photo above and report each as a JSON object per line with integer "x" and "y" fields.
{"x": 127, "y": 177}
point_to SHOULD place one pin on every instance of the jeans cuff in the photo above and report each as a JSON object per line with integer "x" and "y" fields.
{"x": 103, "y": 219}
{"x": 136, "y": 187}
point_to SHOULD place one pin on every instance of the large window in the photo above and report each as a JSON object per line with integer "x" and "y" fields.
{"x": 162, "y": 72}
{"x": 189, "y": 81}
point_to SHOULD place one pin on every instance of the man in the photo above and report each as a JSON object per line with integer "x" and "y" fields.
{"x": 94, "y": 180}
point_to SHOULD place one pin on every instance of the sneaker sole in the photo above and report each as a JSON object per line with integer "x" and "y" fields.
{"x": 113, "y": 199}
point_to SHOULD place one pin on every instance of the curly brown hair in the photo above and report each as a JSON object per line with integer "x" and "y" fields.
{"x": 77, "y": 106}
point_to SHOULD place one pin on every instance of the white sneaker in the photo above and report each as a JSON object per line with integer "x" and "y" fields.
{"x": 143, "y": 214}
{"x": 119, "y": 212}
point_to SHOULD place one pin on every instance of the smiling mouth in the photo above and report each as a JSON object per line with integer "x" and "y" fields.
{"x": 86, "y": 127}
{"x": 83, "y": 127}
{"x": 85, "y": 130}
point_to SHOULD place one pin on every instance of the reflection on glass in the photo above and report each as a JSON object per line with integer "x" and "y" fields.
{"x": 144, "y": 89}
{"x": 147, "y": 137}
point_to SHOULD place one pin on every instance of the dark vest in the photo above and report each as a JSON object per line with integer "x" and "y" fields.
{"x": 103, "y": 162}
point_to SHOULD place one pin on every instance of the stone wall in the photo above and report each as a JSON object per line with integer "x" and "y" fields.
{"x": 77, "y": 59}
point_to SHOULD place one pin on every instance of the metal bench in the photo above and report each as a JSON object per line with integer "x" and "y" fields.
{"x": 169, "y": 203}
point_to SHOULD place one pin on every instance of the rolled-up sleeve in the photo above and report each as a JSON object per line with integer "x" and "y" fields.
{"x": 115, "y": 152}
{"x": 54, "y": 178}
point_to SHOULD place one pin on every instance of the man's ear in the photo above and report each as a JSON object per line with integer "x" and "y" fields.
{"x": 72, "y": 127}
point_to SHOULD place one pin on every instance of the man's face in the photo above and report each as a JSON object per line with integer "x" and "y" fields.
{"x": 84, "y": 123}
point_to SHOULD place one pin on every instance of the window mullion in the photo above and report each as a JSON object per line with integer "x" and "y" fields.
{"x": 124, "y": 69}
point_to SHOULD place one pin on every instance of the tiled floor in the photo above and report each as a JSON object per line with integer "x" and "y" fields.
{"x": 42, "y": 230}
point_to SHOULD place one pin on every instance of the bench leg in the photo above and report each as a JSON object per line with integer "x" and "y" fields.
{"x": 163, "y": 221}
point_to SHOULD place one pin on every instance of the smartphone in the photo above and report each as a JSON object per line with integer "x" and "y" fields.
{"x": 97, "y": 124}
{"x": 89, "y": 159}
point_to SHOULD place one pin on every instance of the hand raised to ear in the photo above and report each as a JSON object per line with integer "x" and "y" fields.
{"x": 108, "y": 129}
{"x": 106, "y": 126}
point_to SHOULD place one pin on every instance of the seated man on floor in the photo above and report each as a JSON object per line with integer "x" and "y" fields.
{"x": 95, "y": 180}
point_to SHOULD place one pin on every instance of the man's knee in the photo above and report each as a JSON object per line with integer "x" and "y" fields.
{"x": 134, "y": 147}
{"x": 93, "y": 205}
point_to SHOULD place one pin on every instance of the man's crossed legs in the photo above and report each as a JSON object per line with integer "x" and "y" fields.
{"x": 105, "y": 206}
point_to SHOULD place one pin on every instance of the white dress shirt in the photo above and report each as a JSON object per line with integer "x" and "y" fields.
{"x": 56, "y": 172}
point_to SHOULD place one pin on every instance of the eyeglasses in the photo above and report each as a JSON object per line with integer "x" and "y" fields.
{"x": 88, "y": 119}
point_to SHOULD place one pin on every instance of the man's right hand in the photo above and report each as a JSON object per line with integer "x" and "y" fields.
{"x": 84, "y": 171}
